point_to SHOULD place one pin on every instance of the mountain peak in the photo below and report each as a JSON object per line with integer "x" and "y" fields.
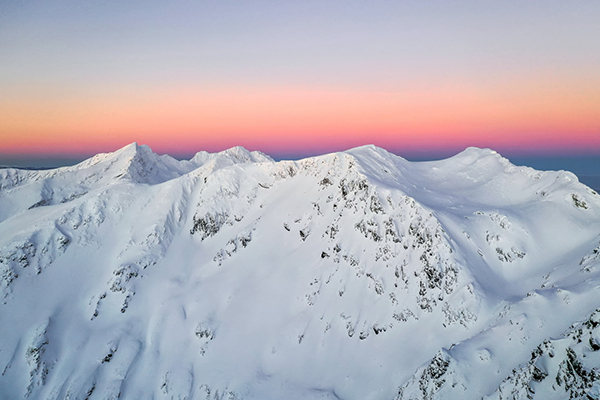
{"x": 233, "y": 155}
{"x": 475, "y": 161}
{"x": 133, "y": 146}
{"x": 370, "y": 150}
{"x": 245, "y": 155}
{"x": 134, "y": 149}
{"x": 474, "y": 153}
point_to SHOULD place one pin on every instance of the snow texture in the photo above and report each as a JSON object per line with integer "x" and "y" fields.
{"x": 354, "y": 275}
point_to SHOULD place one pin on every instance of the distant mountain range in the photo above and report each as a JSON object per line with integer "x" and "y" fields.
{"x": 353, "y": 275}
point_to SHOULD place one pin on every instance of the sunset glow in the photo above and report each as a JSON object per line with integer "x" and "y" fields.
{"x": 468, "y": 95}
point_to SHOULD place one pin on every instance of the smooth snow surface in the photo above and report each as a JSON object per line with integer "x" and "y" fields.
{"x": 355, "y": 275}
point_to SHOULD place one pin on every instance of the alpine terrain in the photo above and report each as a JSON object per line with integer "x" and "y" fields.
{"x": 354, "y": 275}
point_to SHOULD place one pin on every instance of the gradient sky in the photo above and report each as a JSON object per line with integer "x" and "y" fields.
{"x": 294, "y": 78}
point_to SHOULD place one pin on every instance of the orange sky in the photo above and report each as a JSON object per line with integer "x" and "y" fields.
{"x": 545, "y": 112}
{"x": 300, "y": 78}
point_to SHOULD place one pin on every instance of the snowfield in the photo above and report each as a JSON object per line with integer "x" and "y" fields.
{"x": 354, "y": 275}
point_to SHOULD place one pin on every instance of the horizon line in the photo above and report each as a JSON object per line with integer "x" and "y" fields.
{"x": 32, "y": 160}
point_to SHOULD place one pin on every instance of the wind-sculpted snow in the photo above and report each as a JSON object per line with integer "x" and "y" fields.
{"x": 354, "y": 275}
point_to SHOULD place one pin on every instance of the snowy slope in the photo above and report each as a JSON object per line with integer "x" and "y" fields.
{"x": 354, "y": 275}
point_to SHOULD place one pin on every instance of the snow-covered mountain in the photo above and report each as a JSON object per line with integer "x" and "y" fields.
{"x": 354, "y": 275}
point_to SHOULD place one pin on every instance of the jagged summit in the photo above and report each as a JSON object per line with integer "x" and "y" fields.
{"x": 350, "y": 275}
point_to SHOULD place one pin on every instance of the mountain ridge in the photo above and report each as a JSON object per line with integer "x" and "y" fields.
{"x": 350, "y": 275}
